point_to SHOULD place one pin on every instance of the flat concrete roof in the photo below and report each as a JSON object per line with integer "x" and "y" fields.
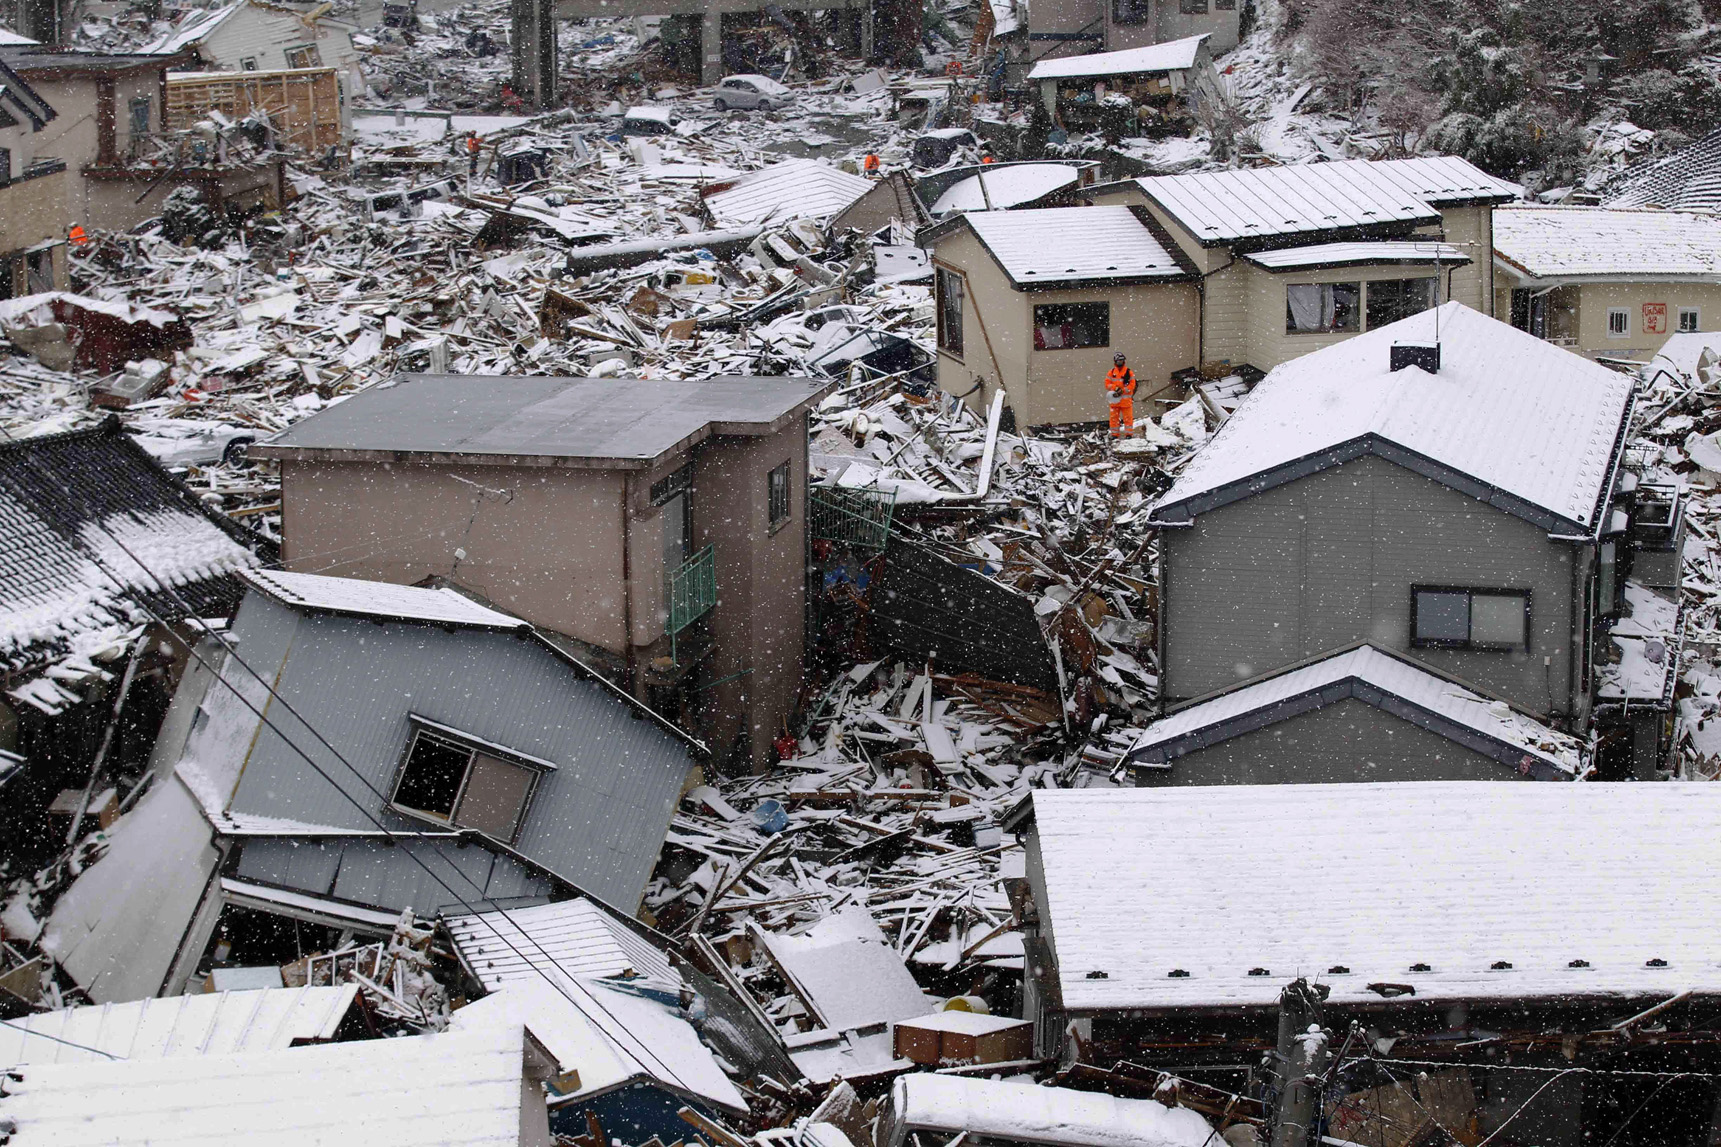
{"x": 599, "y": 423}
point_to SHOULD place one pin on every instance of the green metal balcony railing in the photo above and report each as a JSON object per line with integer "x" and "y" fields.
{"x": 859, "y": 519}
{"x": 691, "y": 590}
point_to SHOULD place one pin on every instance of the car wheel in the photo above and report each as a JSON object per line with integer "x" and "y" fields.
{"x": 234, "y": 453}
{"x": 721, "y": 104}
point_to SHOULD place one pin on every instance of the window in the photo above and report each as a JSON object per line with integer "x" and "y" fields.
{"x": 1607, "y": 580}
{"x": 248, "y": 64}
{"x": 1690, "y": 322}
{"x": 306, "y": 56}
{"x": 1131, "y": 11}
{"x": 1618, "y": 322}
{"x": 38, "y": 271}
{"x": 950, "y": 312}
{"x": 1192, "y": 7}
{"x": 1394, "y": 299}
{"x": 139, "y": 115}
{"x": 1070, "y": 326}
{"x": 673, "y": 494}
{"x": 777, "y": 494}
{"x": 1224, "y": 5}
{"x": 446, "y": 779}
{"x": 1321, "y": 308}
{"x": 5, "y": 166}
{"x": 1446, "y": 617}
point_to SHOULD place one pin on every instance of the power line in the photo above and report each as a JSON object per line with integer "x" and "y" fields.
{"x": 233, "y": 654}
{"x": 57, "y": 1039}
{"x": 1552, "y": 1070}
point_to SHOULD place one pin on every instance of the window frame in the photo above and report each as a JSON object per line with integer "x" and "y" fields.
{"x": 1356, "y": 315}
{"x": 1034, "y": 320}
{"x": 775, "y": 520}
{"x": 1143, "y": 7}
{"x": 942, "y": 276}
{"x": 1624, "y": 315}
{"x": 1192, "y": 7}
{"x": 1369, "y": 286}
{"x": 536, "y": 769}
{"x": 1469, "y": 644}
{"x": 1696, "y": 314}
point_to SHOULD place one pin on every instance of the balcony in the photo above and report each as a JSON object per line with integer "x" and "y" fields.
{"x": 690, "y": 591}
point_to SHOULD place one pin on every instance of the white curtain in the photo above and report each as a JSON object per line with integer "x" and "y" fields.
{"x": 1310, "y": 303}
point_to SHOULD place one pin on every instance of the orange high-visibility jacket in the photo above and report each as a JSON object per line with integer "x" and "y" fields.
{"x": 1120, "y": 381}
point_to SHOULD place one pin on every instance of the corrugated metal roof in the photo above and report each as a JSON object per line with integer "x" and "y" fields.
{"x": 1052, "y": 245}
{"x": 421, "y": 1091}
{"x": 354, "y": 597}
{"x": 175, "y": 1026}
{"x": 1396, "y": 676}
{"x": 607, "y": 419}
{"x": 1341, "y": 254}
{"x": 1252, "y": 203}
{"x": 1576, "y": 242}
{"x": 792, "y": 189}
{"x": 574, "y": 936}
{"x": 1506, "y": 409}
{"x": 1455, "y": 875}
{"x": 1687, "y": 180}
{"x": 1171, "y": 56}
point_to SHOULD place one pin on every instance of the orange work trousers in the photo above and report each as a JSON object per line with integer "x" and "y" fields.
{"x": 1122, "y": 416}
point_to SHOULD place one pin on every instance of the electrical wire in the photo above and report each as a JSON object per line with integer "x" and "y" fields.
{"x": 57, "y": 1039}
{"x": 354, "y": 801}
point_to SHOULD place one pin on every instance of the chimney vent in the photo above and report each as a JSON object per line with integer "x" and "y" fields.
{"x": 1424, "y": 355}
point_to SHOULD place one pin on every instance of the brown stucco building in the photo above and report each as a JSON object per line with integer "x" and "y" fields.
{"x": 658, "y": 527}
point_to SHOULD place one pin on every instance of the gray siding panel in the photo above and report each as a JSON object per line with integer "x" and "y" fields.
{"x": 1349, "y": 740}
{"x": 372, "y": 873}
{"x": 597, "y": 820}
{"x": 1329, "y": 560}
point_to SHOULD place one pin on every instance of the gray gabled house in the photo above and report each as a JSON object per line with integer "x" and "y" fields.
{"x": 353, "y": 749}
{"x": 1447, "y": 493}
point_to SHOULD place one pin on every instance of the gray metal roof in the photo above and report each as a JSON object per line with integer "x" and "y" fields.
{"x": 615, "y": 422}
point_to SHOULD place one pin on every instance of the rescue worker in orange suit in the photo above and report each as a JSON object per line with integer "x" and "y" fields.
{"x": 1120, "y": 391}
{"x": 870, "y": 166}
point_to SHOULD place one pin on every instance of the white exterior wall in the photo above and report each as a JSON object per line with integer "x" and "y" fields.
{"x": 265, "y": 34}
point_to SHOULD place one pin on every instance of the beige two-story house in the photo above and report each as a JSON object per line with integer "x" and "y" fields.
{"x": 657, "y": 527}
{"x": 32, "y": 191}
{"x": 1293, "y": 259}
{"x": 1038, "y": 301}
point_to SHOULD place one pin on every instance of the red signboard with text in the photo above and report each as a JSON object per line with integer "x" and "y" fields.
{"x": 1655, "y": 318}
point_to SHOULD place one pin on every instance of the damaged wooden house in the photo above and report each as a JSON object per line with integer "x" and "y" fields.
{"x": 1513, "y": 957}
{"x": 656, "y": 528}
{"x": 350, "y": 750}
{"x": 106, "y": 563}
{"x": 1417, "y": 555}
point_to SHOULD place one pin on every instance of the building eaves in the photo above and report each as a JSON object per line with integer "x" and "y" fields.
{"x": 14, "y": 90}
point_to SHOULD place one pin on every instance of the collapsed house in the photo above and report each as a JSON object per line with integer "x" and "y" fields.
{"x": 109, "y": 561}
{"x": 1612, "y": 282}
{"x": 1521, "y": 942}
{"x": 1683, "y": 181}
{"x": 1293, "y": 259}
{"x": 1153, "y": 85}
{"x": 351, "y": 750}
{"x": 613, "y": 512}
{"x": 257, "y": 36}
{"x": 1447, "y": 490}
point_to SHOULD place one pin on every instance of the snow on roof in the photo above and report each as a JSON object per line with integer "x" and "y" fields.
{"x": 1348, "y": 254}
{"x": 7, "y": 36}
{"x": 1005, "y": 186}
{"x": 80, "y": 510}
{"x": 610, "y": 1036}
{"x": 1687, "y": 180}
{"x": 1647, "y": 638}
{"x": 1537, "y": 423}
{"x": 1029, "y": 1113}
{"x": 792, "y": 189}
{"x": 1567, "y": 884}
{"x": 575, "y": 936}
{"x": 355, "y": 597}
{"x": 1004, "y": 19}
{"x": 846, "y": 970}
{"x": 1642, "y": 243}
{"x": 1226, "y": 206}
{"x": 1519, "y": 737}
{"x": 176, "y": 1026}
{"x": 1064, "y": 245}
{"x": 1171, "y": 56}
{"x": 419, "y": 1091}
{"x": 190, "y": 30}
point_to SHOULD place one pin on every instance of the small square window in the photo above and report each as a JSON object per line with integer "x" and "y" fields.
{"x": 1071, "y": 326}
{"x": 1453, "y": 617}
{"x": 777, "y": 494}
{"x": 1618, "y": 322}
{"x": 447, "y": 780}
{"x": 1690, "y": 321}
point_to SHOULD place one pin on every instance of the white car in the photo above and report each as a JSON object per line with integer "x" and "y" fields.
{"x": 191, "y": 442}
{"x": 760, "y": 92}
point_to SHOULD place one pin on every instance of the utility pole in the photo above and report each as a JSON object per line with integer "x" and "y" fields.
{"x": 1300, "y": 1063}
